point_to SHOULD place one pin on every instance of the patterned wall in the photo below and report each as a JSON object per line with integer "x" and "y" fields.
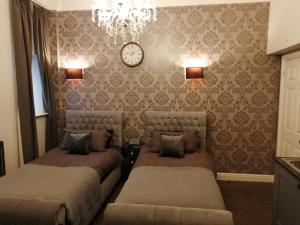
{"x": 240, "y": 90}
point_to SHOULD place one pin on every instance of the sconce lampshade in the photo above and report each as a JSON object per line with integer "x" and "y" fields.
{"x": 74, "y": 73}
{"x": 194, "y": 72}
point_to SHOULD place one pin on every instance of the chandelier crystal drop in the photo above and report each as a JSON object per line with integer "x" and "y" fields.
{"x": 124, "y": 18}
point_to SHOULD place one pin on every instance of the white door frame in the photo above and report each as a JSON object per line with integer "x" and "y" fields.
{"x": 285, "y": 58}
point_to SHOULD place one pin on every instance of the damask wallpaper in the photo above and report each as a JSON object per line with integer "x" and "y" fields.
{"x": 240, "y": 91}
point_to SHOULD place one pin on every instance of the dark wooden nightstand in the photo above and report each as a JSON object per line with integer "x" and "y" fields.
{"x": 130, "y": 154}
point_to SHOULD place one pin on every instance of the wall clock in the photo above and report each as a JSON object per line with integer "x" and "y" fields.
{"x": 132, "y": 54}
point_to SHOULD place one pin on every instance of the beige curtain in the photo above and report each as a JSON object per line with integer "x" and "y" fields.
{"x": 22, "y": 27}
{"x": 42, "y": 49}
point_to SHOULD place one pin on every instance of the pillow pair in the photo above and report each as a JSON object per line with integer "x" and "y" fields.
{"x": 79, "y": 144}
{"x": 172, "y": 146}
{"x": 101, "y": 140}
{"x": 190, "y": 139}
{"x": 97, "y": 140}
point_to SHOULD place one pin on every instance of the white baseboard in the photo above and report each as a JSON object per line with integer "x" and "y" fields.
{"x": 245, "y": 177}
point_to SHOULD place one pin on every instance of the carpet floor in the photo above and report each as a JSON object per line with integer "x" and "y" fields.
{"x": 250, "y": 203}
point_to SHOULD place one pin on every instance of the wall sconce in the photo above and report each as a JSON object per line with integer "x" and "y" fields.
{"x": 194, "y": 73}
{"x": 74, "y": 73}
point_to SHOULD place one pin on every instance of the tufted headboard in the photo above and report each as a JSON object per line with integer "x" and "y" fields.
{"x": 175, "y": 121}
{"x": 82, "y": 121}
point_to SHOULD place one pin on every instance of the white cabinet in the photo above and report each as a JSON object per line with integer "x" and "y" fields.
{"x": 286, "y": 201}
{"x": 284, "y": 26}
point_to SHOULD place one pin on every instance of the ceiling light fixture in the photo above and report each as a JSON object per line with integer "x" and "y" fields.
{"x": 125, "y": 18}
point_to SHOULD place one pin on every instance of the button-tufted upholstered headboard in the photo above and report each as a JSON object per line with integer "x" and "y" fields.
{"x": 83, "y": 121}
{"x": 175, "y": 121}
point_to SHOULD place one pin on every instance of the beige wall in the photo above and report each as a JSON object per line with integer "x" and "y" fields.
{"x": 63, "y": 5}
{"x": 8, "y": 98}
{"x": 284, "y": 32}
{"x": 239, "y": 92}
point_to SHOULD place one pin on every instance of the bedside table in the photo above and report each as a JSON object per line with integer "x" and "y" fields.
{"x": 130, "y": 154}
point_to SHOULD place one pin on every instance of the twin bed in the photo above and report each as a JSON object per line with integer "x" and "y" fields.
{"x": 60, "y": 188}
{"x": 167, "y": 190}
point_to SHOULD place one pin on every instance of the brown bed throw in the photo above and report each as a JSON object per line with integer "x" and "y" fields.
{"x": 190, "y": 187}
{"x": 169, "y": 196}
{"x": 140, "y": 214}
{"x": 102, "y": 162}
{"x": 47, "y": 189}
{"x": 25, "y": 211}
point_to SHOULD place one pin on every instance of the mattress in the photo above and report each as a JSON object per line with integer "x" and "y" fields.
{"x": 169, "y": 196}
{"x": 102, "y": 162}
{"x": 76, "y": 188}
{"x": 172, "y": 186}
{"x": 196, "y": 159}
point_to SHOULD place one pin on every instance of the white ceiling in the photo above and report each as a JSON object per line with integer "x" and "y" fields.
{"x": 66, "y": 5}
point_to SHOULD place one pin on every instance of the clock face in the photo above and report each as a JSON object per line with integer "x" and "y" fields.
{"x": 132, "y": 54}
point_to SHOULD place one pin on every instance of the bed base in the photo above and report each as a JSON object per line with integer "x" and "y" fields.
{"x": 137, "y": 214}
{"x": 105, "y": 188}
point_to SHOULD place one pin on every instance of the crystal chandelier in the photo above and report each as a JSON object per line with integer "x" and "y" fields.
{"x": 124, "y": 18}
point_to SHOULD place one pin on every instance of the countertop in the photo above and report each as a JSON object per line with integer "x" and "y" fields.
{"x": 287, "y": 166}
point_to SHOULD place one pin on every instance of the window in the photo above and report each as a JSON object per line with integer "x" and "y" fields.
{"x": 37, "y": 87}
